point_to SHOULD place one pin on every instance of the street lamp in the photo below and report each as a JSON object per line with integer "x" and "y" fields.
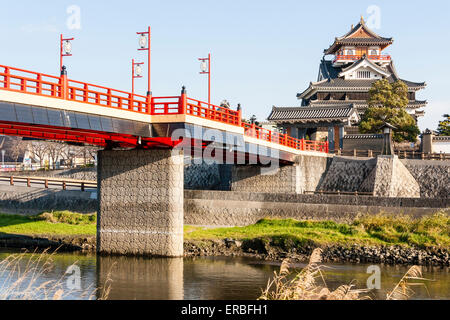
{"x": 65, "y": 50}
{"x": 145, "y": 45}
{"x": 136, "y": 72}
{"x": 205, "y": 68}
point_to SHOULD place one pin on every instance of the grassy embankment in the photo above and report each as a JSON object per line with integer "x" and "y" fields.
{"x": 381, "y": 229}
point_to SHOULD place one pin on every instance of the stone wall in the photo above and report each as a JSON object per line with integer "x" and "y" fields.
{"x": 140, "y": 195}
{"x": 433, "y": 177}
{"x": 216, "y": 208}
{"x": 347, "y": 174}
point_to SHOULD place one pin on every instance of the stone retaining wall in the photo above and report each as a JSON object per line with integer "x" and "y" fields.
{"x": 217, "y": 208}
{"x": 433, "y": 177}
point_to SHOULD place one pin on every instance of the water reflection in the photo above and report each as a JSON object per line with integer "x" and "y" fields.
{"x": 214, "y": 278}
{"x": 141, "y": 278}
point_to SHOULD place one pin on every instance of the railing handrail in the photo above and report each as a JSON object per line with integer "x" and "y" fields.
{"x": 358, "y": 57}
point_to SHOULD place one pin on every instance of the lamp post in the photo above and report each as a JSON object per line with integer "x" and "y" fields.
{"x": 145, "y": 45}
{"x": 206, "y": 69}
{"x": 65, "y": 50}
{"x": 136, "y": 72}
{"x": 388, "y": 146}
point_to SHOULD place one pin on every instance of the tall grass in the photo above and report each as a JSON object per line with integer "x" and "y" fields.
{"x": 310, "y": 284}
{"x": 23, "y": 277}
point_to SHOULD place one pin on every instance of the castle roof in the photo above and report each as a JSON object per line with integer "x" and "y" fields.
{"x": 360, "y": 35}
{"x": 313, "y": 114}
{"x": 332, "y": 82}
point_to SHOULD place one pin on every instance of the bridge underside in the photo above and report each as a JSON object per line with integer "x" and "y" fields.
{"x": 108, "y": 132}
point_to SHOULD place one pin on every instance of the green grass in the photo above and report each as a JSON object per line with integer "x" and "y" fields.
{"x": 49, "y": 223}
{"x": 370, "y": 230}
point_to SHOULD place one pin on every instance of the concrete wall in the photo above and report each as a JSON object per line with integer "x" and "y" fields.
{"x": 140, "y": 195}
{"x": 24, "y": 200}
{"x": 196, "y": 176}
{"x": 216, "y": 208}
{"x": 305, "y": 175}
{"x": 78, "y": 174}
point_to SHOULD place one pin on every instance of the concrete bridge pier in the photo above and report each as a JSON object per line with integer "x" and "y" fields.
{"x": 140, "y": 194}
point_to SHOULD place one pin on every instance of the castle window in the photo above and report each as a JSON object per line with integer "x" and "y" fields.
{"x": 363, "y": 75}
{"x": 374, "y": 52}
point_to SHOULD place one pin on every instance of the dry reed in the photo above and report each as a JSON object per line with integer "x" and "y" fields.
{"x": 310, "y": 284}
{"x": 23, "y": 276}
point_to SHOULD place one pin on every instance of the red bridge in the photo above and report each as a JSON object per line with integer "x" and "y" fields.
{"x": 42, "y": 106}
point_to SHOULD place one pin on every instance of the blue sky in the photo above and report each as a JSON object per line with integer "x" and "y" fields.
{"x": 263, "y": 52}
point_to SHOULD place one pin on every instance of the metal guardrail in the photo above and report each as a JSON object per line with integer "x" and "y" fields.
{"x": 64, "y": 183}
{"x": 344, "y": 193}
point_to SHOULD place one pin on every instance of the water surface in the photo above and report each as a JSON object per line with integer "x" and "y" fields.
{"x": 210, "y": 278}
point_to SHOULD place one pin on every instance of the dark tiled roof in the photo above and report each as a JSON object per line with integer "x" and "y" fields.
{"x": 365, "y": 84}
{"x": 311, "y": 113}
{"x": 363, "y": 41}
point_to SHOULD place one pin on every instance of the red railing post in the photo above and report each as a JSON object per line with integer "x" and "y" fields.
{"x": 63, "y": 83}
{"x": 85, "y": 93}
{"x": 149, "y": 101}
{"x": 7, "y": 83}
{"x": 130, "y": 101}
{"x": 38, "y": 84}
{"x": 302, "y": 144}
{"x": 182, "y": 103}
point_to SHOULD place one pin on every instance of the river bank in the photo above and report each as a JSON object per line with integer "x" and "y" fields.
{"x": 375, "y": 239}
{"x": 267, "y": 249}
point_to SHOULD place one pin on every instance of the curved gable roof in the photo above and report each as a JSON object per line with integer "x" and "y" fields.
{"x": 359, "y": 35}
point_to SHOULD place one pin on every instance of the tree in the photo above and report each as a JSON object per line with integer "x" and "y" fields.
{"x": 54, "y": 152}
{"x": 444, "y": 126}
{"x": 387, "y": 103}
{"x": 38, "y": 151}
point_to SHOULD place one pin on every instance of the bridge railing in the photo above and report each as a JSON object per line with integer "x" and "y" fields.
{"x": 208, "y": 111}
{"x": 14, "y": 79}
{"x": 165, "y": 105}
{"x": 254, "y": 131}
{"x": 98, "y": 95}
{"x": 24, "y": 81}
